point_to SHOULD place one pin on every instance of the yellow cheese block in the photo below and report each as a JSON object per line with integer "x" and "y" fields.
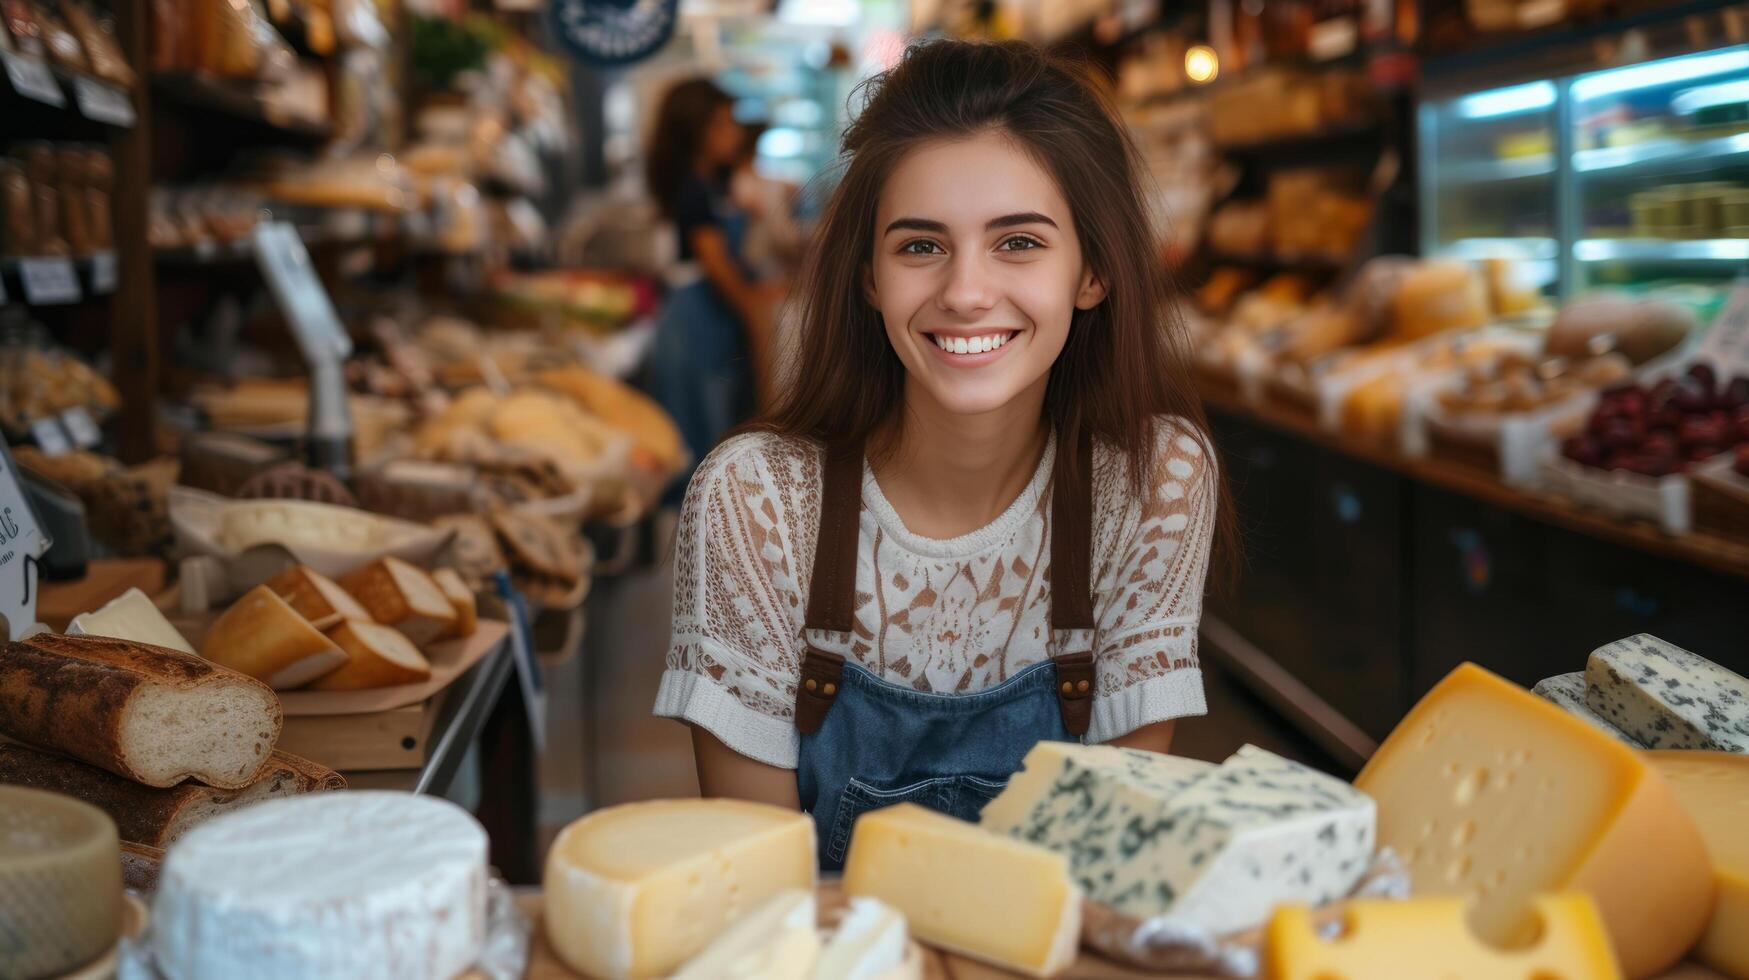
{"x": 60, "y": 883}
{"x": 639, "y": 889}
{"x": 1714, "y": 788}
{"x": 130, "y": 616}
{"x": 967, "y": 889}
{"x": 1492, "y": 793}
{"x": 1428, "y": 939}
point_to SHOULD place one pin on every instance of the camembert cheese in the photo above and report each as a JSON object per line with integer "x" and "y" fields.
{"x": 1491, "y": 793}
{"x": 639, "y": 889}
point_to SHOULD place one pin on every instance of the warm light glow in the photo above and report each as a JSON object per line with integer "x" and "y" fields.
{"x": 1201, "y": 64}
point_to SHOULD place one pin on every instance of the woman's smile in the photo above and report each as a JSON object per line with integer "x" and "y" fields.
{"x": 970, "y": 348}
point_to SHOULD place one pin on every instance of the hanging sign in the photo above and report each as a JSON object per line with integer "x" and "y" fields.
{"x": 607, "y": 33}
{"x": 21, "y": 543}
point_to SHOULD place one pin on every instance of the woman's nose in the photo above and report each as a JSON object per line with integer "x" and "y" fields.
{"x": 968, "y": 288}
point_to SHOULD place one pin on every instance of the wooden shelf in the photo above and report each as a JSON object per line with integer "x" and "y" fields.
{"x": 235, "y": 100}
{"x": 1702, "y": 550}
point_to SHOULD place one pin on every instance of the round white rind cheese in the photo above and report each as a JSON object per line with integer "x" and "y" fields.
{"x": 355, "y": 884}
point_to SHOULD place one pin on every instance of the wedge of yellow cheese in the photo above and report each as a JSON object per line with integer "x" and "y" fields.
{"x": 1490, "y": 793}
{"x": 1714, "y": 788}
{"x": 968, "y": 889}
{"x": 638, "y": 890}
{"x": 1428, "y": 939}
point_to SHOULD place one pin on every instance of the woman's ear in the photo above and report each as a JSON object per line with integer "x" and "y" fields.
{"x": 1092, "y": 291}
{"x": 868, "y": 285}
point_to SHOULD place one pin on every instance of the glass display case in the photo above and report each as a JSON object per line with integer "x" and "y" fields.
{"x": 1623, "y": 177}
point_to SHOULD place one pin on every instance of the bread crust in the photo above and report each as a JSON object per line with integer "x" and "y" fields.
{"x": 70, "y": 694}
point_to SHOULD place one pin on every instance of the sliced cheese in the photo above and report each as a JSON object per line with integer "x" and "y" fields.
{"x": 871, "y": 943}
{"x": 377, "y": 656}
{"x": 1428, "y": 939}
{"x": 130, "y": 616}
{"x": 1489, "y": 792}
{"x": 316, "y": 597}
{"x": 461, "y": 598}
{"x": 366, "y": 885}
{"x": 1665, "y": 697}
{"x": 637, "y": 890}
{"x": 966, "y": 889}
{"x": 776, "y": 941}
{"x": 1714, "y": 788}
{"x": 265, "y": 638}
{"x": 60, "y": 883}
{"x": 1568, "y": 691}
{"x": 399, "y": 594}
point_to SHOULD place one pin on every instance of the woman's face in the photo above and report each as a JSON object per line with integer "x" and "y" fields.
{"x": 976, "y": 272}
{"x": 723, "y": 137}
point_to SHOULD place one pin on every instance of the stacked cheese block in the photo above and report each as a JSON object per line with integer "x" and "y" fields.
{"x": 1655, "y": 695}
{"x": 302, "y": 629}
{"x": 708, "y": 890}
{"x": 121, "y": 713}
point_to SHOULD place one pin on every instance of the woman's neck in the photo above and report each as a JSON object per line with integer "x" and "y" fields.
{"x": 948, "y": 475}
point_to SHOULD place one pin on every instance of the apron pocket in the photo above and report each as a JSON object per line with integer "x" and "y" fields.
{"x": 976, "y": 792}
{"x": 957, "y": 796}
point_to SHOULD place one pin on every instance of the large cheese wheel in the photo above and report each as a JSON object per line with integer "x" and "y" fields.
{"x": 1490, "y": 792}
{"x": 60, "y": 883}
{"x": 1714, "y": 789}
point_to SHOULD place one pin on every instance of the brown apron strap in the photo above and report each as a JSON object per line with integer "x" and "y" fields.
{"x": 832, "y": 591}
{"x": 1072, "y": 577}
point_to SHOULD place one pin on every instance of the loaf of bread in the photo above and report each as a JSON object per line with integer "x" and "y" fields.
{"x": 152, "y": 816}
{"x": 461, "y": 598}
{"x": 154, "y": 715}
{"x": 264, "y": 637}
{"x": 402, "y": 595}
{"x": 377, "y": 656}
{"x": 316, "y": 597}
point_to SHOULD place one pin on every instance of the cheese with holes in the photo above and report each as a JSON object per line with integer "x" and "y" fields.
{"x": 1491, "y": 793}
{"x": 1667, "y": 698}
{"x": 60, "y": 883}
{"x": 1429, "y": 938}
{"x": 871, "y": 943}
{"x": 637, "y": 890}
{"x": 130, "y": 616}
{"x": 1714, "y": 788}
{"x": 966, "y": 889}
{"x": 1568, "y": 691}
{"x": 1218, "y": 848}
{"x": 776, "y": 941}
{"x": 360, "y": 884}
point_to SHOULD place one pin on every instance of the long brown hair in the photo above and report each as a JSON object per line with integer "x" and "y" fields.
{"x": 1126, "y": 361}
{"x": 681, "y": 122}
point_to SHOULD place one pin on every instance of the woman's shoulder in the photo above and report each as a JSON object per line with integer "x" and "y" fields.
{"x": 1181, "y": 451}
{"x": 757, "y": 460}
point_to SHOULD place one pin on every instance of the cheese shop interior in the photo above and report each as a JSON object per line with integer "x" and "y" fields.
{"x": 352, "y": 377}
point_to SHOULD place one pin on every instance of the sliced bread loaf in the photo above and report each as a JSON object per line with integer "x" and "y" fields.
{"x": 264, "y": 637}
{"x": 402, "y": 595}
{"x": 154, "y": 715}
{"x": 377, "y": 656}
{"x": 316, "y": 597}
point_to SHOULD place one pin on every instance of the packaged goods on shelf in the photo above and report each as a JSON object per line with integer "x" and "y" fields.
{"x": 55, "y": 199}
{"x": 96, "y": 32}
{"x": 1273, "y": 103}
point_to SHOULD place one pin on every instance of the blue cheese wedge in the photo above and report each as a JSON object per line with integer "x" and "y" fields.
{"x": 1215, "y": 848}
{"x": 1076, "y": 800}
{"x": 1568, "y": 692}
{"x": 1665, "y": 697}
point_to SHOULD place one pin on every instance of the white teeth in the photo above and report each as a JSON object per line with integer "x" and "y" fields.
{"x": 971, "y": 345}
{"x": 960, "y": 345}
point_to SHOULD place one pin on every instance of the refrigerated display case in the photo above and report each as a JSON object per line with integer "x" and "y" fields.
{"x": 1621, "y": 177}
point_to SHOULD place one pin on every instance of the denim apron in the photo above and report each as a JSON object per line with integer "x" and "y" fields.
{"x": 867, "y": 743}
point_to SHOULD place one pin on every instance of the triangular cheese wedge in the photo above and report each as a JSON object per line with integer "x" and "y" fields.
{"x": 130, "y": 616}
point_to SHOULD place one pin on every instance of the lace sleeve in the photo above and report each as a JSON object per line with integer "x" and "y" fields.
{"x": 735, "y": 649}
{"x": 1152, "y": 557}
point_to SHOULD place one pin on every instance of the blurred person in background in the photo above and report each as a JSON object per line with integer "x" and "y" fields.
{"x": 774, "y": 240}
{"x": 712, "y": 351}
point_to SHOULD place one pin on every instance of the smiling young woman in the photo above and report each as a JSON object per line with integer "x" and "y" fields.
{"x": 982, "y": 511}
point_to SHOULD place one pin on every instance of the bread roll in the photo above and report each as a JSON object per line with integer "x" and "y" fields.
{"x": 151, "y": 816}
{"x": 316, "y": 597}
{"x": 378, "y": 656}
{"x": 264, "y": 637}
{"x": 399, "y": 594}
{"x": 154, "y": 715}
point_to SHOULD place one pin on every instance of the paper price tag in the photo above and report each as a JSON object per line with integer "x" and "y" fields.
{"x": 81, "y": 427}
{"x": 50, "y": 437}
{"x": 103, "y": 103}
{"x": 49, "y": 281}
{"x": 32, "y": 79}
{"x": 103, "y": 273}
{"x": 21, "y": 539}
{"x": 528, "y": 672}
{"x": 286, "y": 265}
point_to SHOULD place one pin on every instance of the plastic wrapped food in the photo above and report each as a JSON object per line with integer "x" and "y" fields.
{"x": 24, "y": 24}
{"x": 70, "y": 189}
{"x": 99, "y": 181}
{"x": 172, "y": 41}
{"x": 97, "y": 34}
{"x": 62, "y": 44}
{"x": 39, "y": 166}
{"x": 18, "y": 208}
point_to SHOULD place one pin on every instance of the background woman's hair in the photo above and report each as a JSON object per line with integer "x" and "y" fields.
{"x": 1126, "y": 361}
{"x": 680, "y": 125}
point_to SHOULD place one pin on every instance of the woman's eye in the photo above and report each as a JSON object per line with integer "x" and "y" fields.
{"x": 1020, "y": 243}
{"x": 921, "y": 246}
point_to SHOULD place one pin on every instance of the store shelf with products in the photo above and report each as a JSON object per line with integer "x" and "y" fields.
{"x": 234, "y": 101}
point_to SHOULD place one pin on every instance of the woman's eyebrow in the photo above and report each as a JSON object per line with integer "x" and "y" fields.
{"x": 937, "y": 227}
